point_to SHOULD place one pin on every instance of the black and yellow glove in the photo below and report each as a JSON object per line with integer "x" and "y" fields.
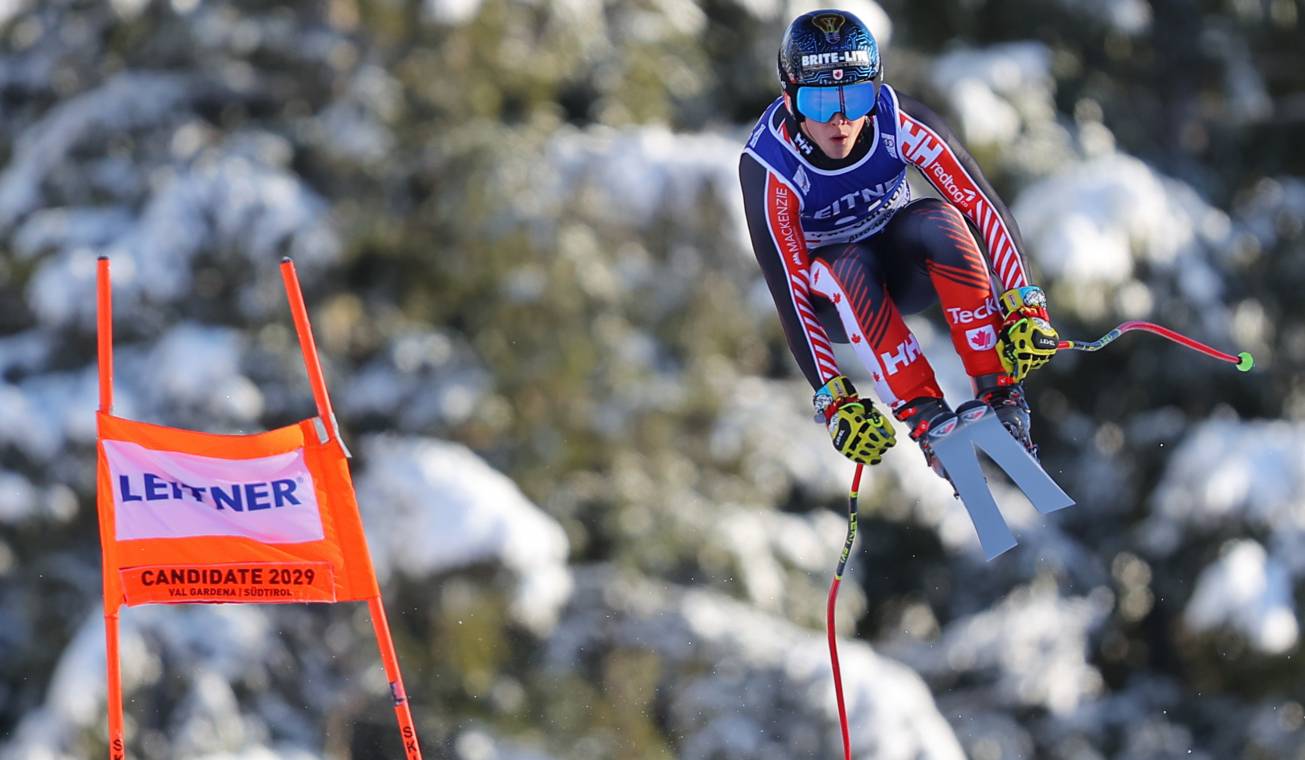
{"x": 858, "y": 430}
{"x": 1027, "y": 340}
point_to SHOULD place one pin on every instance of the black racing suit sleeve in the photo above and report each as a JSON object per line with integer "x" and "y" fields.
{"x": 754, "y": 179}
{"x": 1000, "y": 234}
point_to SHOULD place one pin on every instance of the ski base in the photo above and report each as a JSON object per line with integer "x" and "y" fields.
{"x": 977, "y": 428}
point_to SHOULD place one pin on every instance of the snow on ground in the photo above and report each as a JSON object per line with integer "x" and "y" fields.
{"x": 595, "y": 27}
{"x": 1249, "y": 591}
{"x": 279, "y": 752}
{"x": 739, "y": 672}
{"x": 234, "y": 198}
{"x": 127, "y": 102}
{"x": 17, "y": 497}
{"x": 874, "y": 16}
{"x": 227, "y": 643}
{"x": 186, "y": 194}
{"x": 1274, "y": 206}
{"x": 431, "y": 506}
{"x": 424, "y": 379}
{"x": 781, "y": 562}
{"x": 355, "y": 126}
{"x": 1031, "y": 649}
{"x": 194, "y": 370}
{"x": 994, "y": 90}
{"x": 477, "y": 744}
{"x": 765, "y": 544}
{"x": 1228, "y": 476}
{"x": 25, "y": 352}
{"x": 1092, "y": 224}
{"x": 53, "y": 229}
{"x": 56, "y": 503}
{"x": 639, "y": 171}
{"x": 776, "y": 441}
{"x": 450, "y": 12}
{"x": 1131, "y": 17}
{"x": 11, "y": 8}
{"x": 44, "y": 414}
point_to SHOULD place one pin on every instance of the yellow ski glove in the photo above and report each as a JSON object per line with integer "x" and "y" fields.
{"x": 856, "y": 427}
{"x": 1027, "y": 340}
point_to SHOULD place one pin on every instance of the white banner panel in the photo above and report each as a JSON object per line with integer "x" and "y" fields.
{"x": 168, "y": 494}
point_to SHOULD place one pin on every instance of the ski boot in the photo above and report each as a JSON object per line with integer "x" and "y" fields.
{"x": 1007, "y": 399}
{"x": 922, "y": 415}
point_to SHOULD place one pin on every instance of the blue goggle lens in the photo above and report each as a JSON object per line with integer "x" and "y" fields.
{"x": 821, "y": 103}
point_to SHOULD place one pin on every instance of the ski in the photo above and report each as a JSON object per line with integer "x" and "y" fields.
{"x": 956, "y": 443}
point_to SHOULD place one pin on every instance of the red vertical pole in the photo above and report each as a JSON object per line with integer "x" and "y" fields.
{"x": 390, "y": 660}
{"x": 117, "y": 747}
{"x": 104, "y": 345}
{"x": 104, "y": 332}
{"x": 830, "y": 627}
{"x": 306, "y": 344}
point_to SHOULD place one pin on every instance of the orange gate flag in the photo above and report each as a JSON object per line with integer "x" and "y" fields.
{"x": 197, "y": 517}
{"x": 190, "y": 517}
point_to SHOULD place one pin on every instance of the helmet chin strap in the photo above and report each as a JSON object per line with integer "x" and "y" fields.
{"x": 791, "y": 104}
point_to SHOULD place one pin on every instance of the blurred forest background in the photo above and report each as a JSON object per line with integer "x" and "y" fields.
{"x": 603, "y": 518}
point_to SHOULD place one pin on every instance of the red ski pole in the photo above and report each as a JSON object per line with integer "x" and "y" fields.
{"x": 1243, "y": 361}
{"x": 833, "y": 601}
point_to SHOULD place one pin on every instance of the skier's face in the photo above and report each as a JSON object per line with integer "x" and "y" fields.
{"x": 835, "y": 137}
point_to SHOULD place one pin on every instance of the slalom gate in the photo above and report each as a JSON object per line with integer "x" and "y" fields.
{"x": 200, "y": 518}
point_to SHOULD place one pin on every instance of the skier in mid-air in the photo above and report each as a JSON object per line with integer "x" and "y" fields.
{"x": 846, "y": 252}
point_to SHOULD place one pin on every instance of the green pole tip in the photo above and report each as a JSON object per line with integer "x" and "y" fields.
{"x": 1246, "y": 361}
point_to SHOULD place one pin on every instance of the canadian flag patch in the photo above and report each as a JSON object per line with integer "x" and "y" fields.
{"x": 981, "y": 338}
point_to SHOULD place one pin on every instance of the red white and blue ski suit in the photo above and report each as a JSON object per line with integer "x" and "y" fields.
{"x": 846, "y": 252}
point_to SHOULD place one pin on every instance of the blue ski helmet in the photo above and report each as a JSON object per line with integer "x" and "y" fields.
{"x": 828, "y": 48}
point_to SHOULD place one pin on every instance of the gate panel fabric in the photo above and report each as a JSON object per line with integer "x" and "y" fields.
{"x": 280, "y": 503}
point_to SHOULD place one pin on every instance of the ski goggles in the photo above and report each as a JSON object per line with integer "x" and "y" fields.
{"x": 851, "y": 100}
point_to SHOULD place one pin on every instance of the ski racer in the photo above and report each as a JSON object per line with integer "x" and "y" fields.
{"x": 846, "y": 252}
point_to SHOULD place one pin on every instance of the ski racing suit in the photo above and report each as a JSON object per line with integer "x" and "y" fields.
{"x": 846, "y": 252}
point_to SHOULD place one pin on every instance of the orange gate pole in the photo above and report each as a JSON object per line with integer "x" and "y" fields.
{"x": 402, "y": 713}
{"x": 305, "y": 331}
{"x": 104, "y": 332}
{"x": 384, "y": 642}
{"x": 117, "y": 748}
{"x": 104, "y": 346}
